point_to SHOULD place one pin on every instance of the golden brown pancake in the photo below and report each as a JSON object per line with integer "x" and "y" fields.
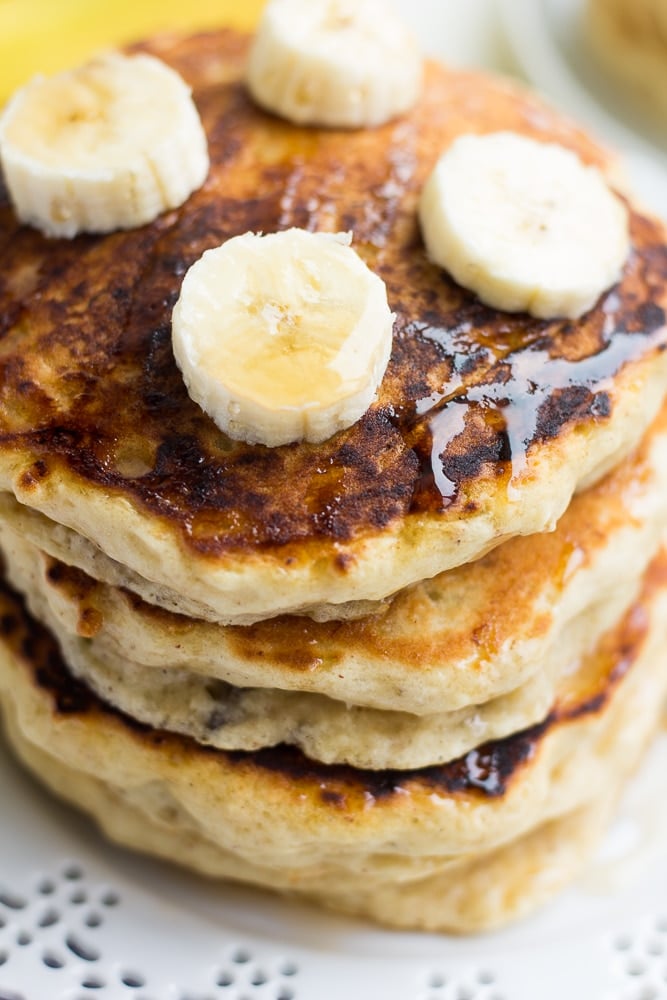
{"x": 484, "y": 426}
{"x": 448, "y": 644}
{"x": 474, "y": 893}
{"x": 330, "y": 730}
{"x": 305, "y": 820}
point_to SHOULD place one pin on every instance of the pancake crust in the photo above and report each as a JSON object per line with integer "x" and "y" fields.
{"x": 484, "y": 425}
{"x": 303, "y": 817}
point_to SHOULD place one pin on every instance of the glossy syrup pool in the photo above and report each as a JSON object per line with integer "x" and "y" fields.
{"x": 522, "y": 395}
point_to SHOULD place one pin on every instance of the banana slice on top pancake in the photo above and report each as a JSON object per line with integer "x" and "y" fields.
{"x": 484, "y": 426}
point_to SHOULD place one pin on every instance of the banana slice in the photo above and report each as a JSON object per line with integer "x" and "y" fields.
{"x": 340, "y": 63}
{"x": 526, "y": 225}
{"x": 283, "y": 337}
{"x": 109, "y": 145}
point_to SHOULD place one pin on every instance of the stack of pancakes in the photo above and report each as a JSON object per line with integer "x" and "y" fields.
{"x": 404, "y": 672}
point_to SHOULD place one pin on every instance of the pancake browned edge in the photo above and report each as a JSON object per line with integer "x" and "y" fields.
{"x": 484, "y": 425}
{"x": 386, "y": 843}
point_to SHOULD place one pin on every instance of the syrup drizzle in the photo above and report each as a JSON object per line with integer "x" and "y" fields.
{"x": 512, "y": 401}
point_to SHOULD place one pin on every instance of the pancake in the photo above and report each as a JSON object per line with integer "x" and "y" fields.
{"x": 309, "y": 821}
{"x": 232, "y": 718}
{"x": 467, "y": 637}
{"x": 474, "y": 894}
{"x": 332, "y": 730}
{"x": 484, "y": 426}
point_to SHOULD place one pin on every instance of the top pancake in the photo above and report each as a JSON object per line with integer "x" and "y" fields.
{"x": 484, "y": 425}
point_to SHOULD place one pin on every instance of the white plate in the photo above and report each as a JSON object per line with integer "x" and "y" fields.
{"x": 79, "y": 919}
{"x": 549, "y": 47}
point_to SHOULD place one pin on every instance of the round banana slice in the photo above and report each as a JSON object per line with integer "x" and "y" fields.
{"x": 283, "y": 337}
{"x": 524, "y": 224}
{"x": 339, "y": 63}
{"x": 109, "y": 145}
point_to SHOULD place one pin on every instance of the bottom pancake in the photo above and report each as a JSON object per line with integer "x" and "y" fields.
{"x": 472, "y": 894}
{"x": 403, "y": 847}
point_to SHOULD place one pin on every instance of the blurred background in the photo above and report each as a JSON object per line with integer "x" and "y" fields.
{"x": 545, "y": 42}
{"x": 41, "y": 36}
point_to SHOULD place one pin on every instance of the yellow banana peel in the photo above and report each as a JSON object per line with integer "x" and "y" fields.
{"x": 44, "y": 36}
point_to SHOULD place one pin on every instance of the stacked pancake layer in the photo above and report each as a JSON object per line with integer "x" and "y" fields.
{"x": 364, "y": 671}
